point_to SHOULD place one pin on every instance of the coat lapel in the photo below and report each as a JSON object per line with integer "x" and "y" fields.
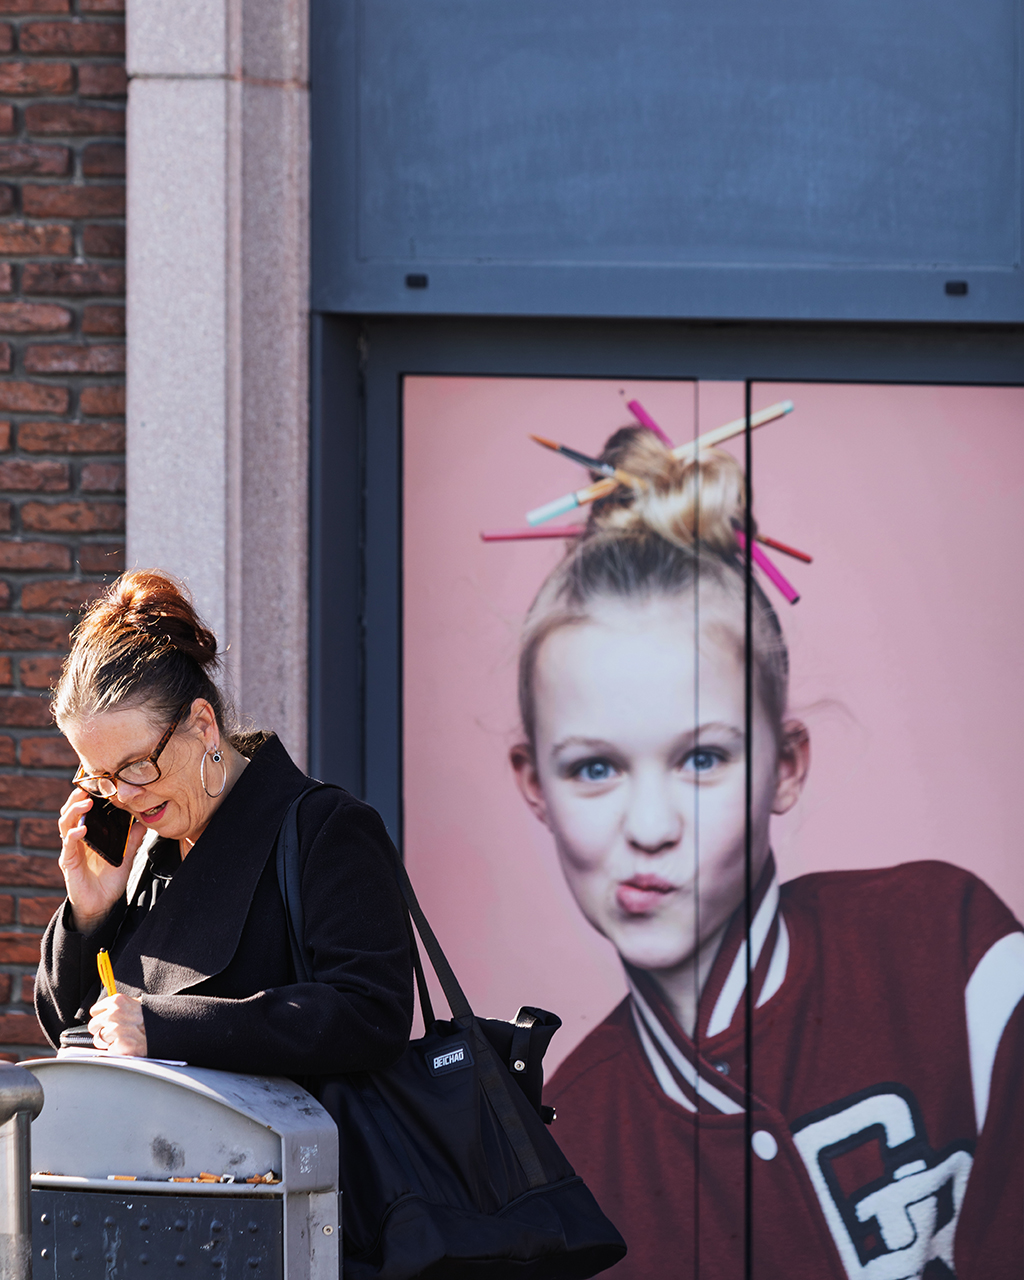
{"x": 193, "y": 931}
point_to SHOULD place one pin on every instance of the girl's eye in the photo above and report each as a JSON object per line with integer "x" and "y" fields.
{"x": 703, "y": 759}
{"x": 595, "y": 771}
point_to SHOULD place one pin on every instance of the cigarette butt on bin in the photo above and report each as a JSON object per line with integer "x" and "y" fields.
{"x": 206, "y": 1177}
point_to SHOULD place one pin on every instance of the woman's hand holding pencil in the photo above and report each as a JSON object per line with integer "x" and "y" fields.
{"x": 116, "y": 1023}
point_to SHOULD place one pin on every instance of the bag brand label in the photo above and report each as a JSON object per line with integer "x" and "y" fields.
{"x": 453, "y": 1058}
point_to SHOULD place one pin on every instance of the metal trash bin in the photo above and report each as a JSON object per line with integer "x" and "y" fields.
{"x": 116, "y": 1142}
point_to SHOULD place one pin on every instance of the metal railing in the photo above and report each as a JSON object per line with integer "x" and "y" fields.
{"x": 21, "y": 1100}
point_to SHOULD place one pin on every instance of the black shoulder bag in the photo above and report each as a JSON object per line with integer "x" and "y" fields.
{"x": 447, "y": 1168}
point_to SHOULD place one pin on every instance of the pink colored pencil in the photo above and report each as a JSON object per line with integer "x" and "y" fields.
{"x": 645, "y": 420}
{"x": 516, "y": 535}
{"x": 763, "y": 563}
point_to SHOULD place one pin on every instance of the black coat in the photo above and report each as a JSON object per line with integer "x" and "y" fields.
{"x": 210, "y": 960}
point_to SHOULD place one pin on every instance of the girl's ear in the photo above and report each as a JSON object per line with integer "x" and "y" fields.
{"x": 794, "y": 761}
{"x": 525, "y": 769}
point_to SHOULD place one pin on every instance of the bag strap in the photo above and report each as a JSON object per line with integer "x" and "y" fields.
{"x": 289, "y": 882}
{"x": 426, "y": 1005}
{"x": 497, "y": 1089}
{"x": 289, "y": 879}
{"x": 500, "y": 1090}
{"x": 453, "y": 993}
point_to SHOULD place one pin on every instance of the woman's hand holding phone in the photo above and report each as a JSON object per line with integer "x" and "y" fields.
{"x": 93, "y": 884}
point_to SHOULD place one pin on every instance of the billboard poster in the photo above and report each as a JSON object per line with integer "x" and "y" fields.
{"x": 759, "y": 854}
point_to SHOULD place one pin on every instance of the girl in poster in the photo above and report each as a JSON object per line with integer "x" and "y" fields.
{"x": 885, "y": 1139}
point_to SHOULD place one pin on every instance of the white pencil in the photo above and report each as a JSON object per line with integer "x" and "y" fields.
{"x": 710, "y": 438}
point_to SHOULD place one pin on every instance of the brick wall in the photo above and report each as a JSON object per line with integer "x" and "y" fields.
{"x": 62, "y": 88}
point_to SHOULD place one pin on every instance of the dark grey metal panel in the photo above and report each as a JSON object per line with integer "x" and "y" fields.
{"x": 392, "y": 347}
{"x": 336, "y": 586}
{"x": 382, "y": 543}
{"x": 97, "y": 1235}
{"x": 668, "y": 159}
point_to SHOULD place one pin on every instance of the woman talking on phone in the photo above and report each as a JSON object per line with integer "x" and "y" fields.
{"x": 186, "y": 899}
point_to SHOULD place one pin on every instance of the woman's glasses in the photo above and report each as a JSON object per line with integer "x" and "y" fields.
{"x": 137, "y": 773}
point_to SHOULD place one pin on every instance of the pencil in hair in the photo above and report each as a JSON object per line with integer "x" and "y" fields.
{"x": 763, "y": 563}
{"x": 686, "y": 452}
{"x": 580, "y": 498}
{"x": 786, "y": 551}
{"x": 585, "y": 460}
{"x": 518, "y": 535}
{"x": 645, "y": 420}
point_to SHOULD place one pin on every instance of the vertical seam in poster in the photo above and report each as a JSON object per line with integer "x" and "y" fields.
{"x": 362, "y": 375}
{"x": 696, "y": 849}
{"x": 748, "y": 712}
{"x": 400, "y": 645}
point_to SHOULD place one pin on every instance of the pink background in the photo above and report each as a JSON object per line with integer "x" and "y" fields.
{"x": 906, "y": 647}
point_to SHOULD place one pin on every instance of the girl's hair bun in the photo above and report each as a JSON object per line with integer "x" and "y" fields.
{"x": 673, "y": 531}
{"x": 701, "y": 499}
{"x": 151, "y": 607}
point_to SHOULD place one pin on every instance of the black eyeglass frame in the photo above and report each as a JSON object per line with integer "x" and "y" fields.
{"x": 80, "y": 778}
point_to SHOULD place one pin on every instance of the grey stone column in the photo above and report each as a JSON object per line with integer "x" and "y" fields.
{"x": 218, "y": 142}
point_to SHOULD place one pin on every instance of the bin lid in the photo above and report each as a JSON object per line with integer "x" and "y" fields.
{"x": 108, "y": 1116}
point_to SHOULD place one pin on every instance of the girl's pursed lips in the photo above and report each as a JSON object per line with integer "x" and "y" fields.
{"x": 650, "y": 882}
{"x": 642, "y": 894}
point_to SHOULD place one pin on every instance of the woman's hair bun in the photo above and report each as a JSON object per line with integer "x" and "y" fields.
{"x": 155, "y": 608}
{"x": 140, "y": 644}
{"x": 683, "y": 501}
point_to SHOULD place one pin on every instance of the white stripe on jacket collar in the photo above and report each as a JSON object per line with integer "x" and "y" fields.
{"x": 736, "y": 983}
{"x": 680, "y": 1077}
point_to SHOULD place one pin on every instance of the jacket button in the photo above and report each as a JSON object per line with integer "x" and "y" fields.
{"x": 764, "y": 1144}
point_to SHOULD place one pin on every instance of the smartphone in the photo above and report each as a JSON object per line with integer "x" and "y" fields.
{"x": 106, "y": 831}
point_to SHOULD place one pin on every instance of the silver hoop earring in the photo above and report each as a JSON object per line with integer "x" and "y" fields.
{"x": 217, "y": 759}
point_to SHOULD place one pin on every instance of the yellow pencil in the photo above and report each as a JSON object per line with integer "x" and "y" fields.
{"x": 106, "y": 971}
